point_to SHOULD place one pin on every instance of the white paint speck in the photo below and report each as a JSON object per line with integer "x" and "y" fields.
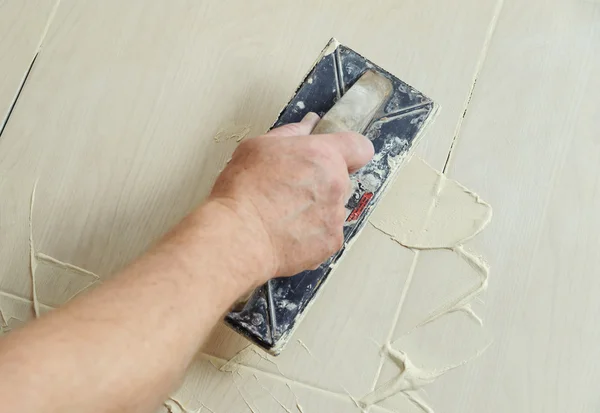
{"x": 300, "y": 105}
{"x": 310, "y": 80}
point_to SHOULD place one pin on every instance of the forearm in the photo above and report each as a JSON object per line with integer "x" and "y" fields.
{"x": 124, "y": 345}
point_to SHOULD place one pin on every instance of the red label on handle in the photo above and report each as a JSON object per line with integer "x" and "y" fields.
{"x": 362, "y": 204}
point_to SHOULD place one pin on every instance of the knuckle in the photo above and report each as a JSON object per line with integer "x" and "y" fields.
{"x": 248, "y": 145}
{"x": 338, "y": 185}
{"x": 315, "y": 149}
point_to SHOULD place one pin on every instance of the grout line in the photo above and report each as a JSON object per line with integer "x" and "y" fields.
{"x": 47, "y": 27}
{"x": 23, "y": 300}
{"x": 482, "y": 58}
{"x": 29, "y": 69}
{"x": 403, "y": 295}
{"x": 18, "y": 94}
{"x": 286, "y": 380}
{"x": 32, "y": 257}
{"x": 64, "y": 265}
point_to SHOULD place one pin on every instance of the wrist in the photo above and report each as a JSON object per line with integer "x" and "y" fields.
{"x": 238, "y": 238}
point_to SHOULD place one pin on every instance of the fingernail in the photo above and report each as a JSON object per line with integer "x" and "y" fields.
{"x": 311, "y": 117}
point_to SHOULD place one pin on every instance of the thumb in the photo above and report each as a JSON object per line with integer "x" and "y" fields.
{"x": 302, "y": 128}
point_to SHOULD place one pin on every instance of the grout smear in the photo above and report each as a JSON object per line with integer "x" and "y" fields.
{"x": 2, "y": 319}
{"x": 3, "y": 325}
{"x": 24, "y": 300}
{"x": 64, "y": 265}
{"x": 266, "y": 358}
{"x": 356, "y": 402}
{"x": 462, "y": 303}
{"x": 32, "y": 258}
{"x": 207, "y": 408}
{"x": 231, "y": 133}
{"x": 244, "y": 399}
{"x": 403, "y": 295}
{"x": 305, "y": 347}
{"x": 35, "y": 256}
{"x": 173, "y": 406}
{"x": 468, "y": 310}
{"x": 283, "y": 406}
{"x": 233, "y": 364}
{"x": 410, "y": 379}
{"x": 298, "y": 406}
{"x": 442, "y": 214}
{"x": 243, "y": 356}
{"x": 414, "y": 398}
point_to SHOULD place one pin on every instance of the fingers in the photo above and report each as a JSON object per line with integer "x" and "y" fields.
{"x": 302, "y": 128}
{"x": 356, "y": 149}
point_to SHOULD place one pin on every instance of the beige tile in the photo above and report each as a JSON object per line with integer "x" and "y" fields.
{"x": 22, "y": 26}
{"x": 530, "y": 147}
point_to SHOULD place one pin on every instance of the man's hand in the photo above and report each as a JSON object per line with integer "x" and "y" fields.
{"x": 293, "y": 187}
{"x": 277, "y": 208}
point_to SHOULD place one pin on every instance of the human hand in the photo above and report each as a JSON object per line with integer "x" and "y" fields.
{"x": 290, "y": 188}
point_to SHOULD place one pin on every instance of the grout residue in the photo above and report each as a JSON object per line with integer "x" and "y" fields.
{"x": 32, "y": 259}
{"x": 410, "y": 379}
{"x": 298, "y": 405}
{"x": 236, "y": 133}
{"x": 305, "y": 347}
{"x": 35, "y": 256}
{"x": 283, "y": 406}
{"x": 441, "y": 214}
{"x": 64, "y": 265}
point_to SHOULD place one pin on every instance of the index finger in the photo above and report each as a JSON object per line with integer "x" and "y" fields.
{"x": 356, "y": 149}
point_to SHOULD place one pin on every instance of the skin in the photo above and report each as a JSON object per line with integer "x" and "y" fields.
{"x": 276, "y": 209}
